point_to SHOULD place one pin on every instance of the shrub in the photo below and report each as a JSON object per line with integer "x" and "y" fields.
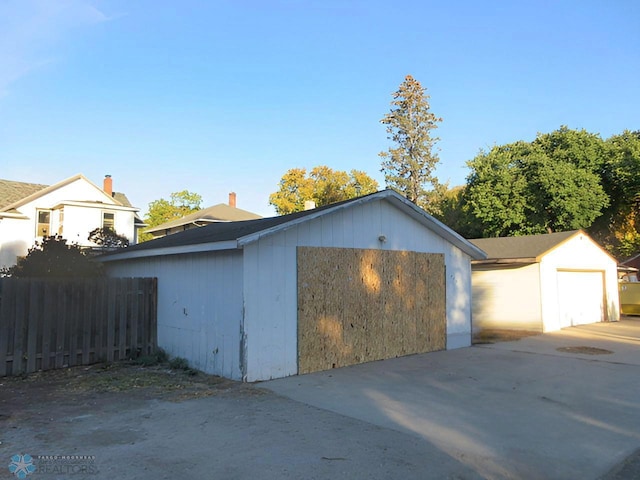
{"x": 53, "y": 257}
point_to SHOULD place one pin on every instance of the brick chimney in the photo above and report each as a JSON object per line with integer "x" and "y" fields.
{"x": 232, "y": 199}
{"x": 108, "y": 185}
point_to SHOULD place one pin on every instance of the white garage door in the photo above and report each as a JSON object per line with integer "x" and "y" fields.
{"x": 580, "y": 297}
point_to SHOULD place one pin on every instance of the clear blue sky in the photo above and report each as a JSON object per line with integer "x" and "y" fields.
{"x": 226, "y": 95}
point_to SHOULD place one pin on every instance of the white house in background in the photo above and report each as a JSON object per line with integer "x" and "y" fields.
{"x": 360, "y": 280}
{"x": 71, "y": 208}
{"x": 543, "y": 283}
{"x": 217, "y": 213}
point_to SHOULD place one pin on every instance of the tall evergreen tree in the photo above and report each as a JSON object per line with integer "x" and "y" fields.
{"x": 409, "y": 166}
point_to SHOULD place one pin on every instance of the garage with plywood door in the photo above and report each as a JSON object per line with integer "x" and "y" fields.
{"x": 337, "y": 285}
{"x": 361, "y": 305}
{"x": 582, "y": 295}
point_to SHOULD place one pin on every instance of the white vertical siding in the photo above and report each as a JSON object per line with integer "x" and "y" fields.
{"x": 199, "y": 306}
{"x": 270, "y": 320}
{"x": 507, "y": 297}
{"x": 78, "y": 222}
{"x": 579, "y": 253}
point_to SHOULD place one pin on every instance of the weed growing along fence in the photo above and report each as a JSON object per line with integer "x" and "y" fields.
{"x": 58, "y": 323}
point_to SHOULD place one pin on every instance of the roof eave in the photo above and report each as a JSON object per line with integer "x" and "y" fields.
{"x": 571, "y": 237}
{"x": 56, "y": 186}
{"x": 559, "y": 244}
{"x": 506, "y": 261}
{"x": 182, "y": 224}
{"x": 92, "y": 204}
{"x": 42, "y": 192}
{"x": 395, "y": 198}
{"x": 18, "y": 216}
{"x": 434, "y": 224}
{"x": 154, "y": 252}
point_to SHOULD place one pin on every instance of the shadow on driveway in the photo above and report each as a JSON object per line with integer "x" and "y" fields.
{"x": 509, "y": 410}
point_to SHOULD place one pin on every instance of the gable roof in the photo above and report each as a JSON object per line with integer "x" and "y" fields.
{"x": 528, "y": 248}
{"x": 218, "y": 213}
{"x": 12, "y": 192}
{"x": 15, "y": 194}
{"x": 228, "y": 235}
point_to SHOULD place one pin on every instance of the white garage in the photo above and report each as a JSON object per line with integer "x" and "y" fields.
{"x": 543, "y": 283}
{"x": 362, "y": 280}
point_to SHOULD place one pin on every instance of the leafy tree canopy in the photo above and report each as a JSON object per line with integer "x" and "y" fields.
{"x": 322, "y": 185}
{"x": 453, "y": 212}
{"x": 54, "y": 257}
{"x": 548, "y": 185}
{"x": 179, "y": 204}
{"x": 563, "y": 180}
{"x": 618, "y": 228}
{"x": 408, "y": 167}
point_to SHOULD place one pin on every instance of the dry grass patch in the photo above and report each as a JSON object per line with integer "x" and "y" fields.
{"x": 130, "y": 378}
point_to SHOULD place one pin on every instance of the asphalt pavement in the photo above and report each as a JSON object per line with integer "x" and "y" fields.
{"x": 563, "y": 405}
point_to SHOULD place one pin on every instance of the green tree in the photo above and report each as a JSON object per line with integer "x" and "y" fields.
{"x": 548, "y": 185}
{"x": 409, "y": 166}
{"x": 322, "y": 185}
{"x": 496, "y": 193}
{"x": 161, "y": 211}
{"x": 54, "y": 257}
{"x": 619, "y": 227}
{"x": 583, "y": 149}
{"x": 454, "y": 212}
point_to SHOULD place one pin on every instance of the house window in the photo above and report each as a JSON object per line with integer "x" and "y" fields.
{"x": 109, "y": 220}
{"x": 60, "y": 221}
{"x": 43, "y": 228}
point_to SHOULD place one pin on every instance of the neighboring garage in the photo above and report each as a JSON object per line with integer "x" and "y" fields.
{"x": 543, "y": 283}
{"x": 366, "y": 279}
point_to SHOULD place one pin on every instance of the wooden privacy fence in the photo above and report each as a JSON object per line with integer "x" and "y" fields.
{"x": 56, "y": 323}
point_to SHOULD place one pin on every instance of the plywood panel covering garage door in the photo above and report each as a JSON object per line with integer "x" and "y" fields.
{"x": 359, "y": 305}
{"x": 580, "y": 297}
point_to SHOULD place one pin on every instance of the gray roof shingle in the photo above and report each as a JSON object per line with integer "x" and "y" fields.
{"x": 217, "y": 213}
{"x": 222, "y": 231}
{"x": 529, "y": 246}
{"x": 200, "y": 239}
{"x": 11, "y": 191}
{"x": 122, "y": 199}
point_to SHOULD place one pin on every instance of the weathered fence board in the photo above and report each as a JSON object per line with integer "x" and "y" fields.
{"x": 46, "y": 324}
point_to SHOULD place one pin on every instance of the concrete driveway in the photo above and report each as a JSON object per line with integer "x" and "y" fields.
{"x": 543, "y": 407}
